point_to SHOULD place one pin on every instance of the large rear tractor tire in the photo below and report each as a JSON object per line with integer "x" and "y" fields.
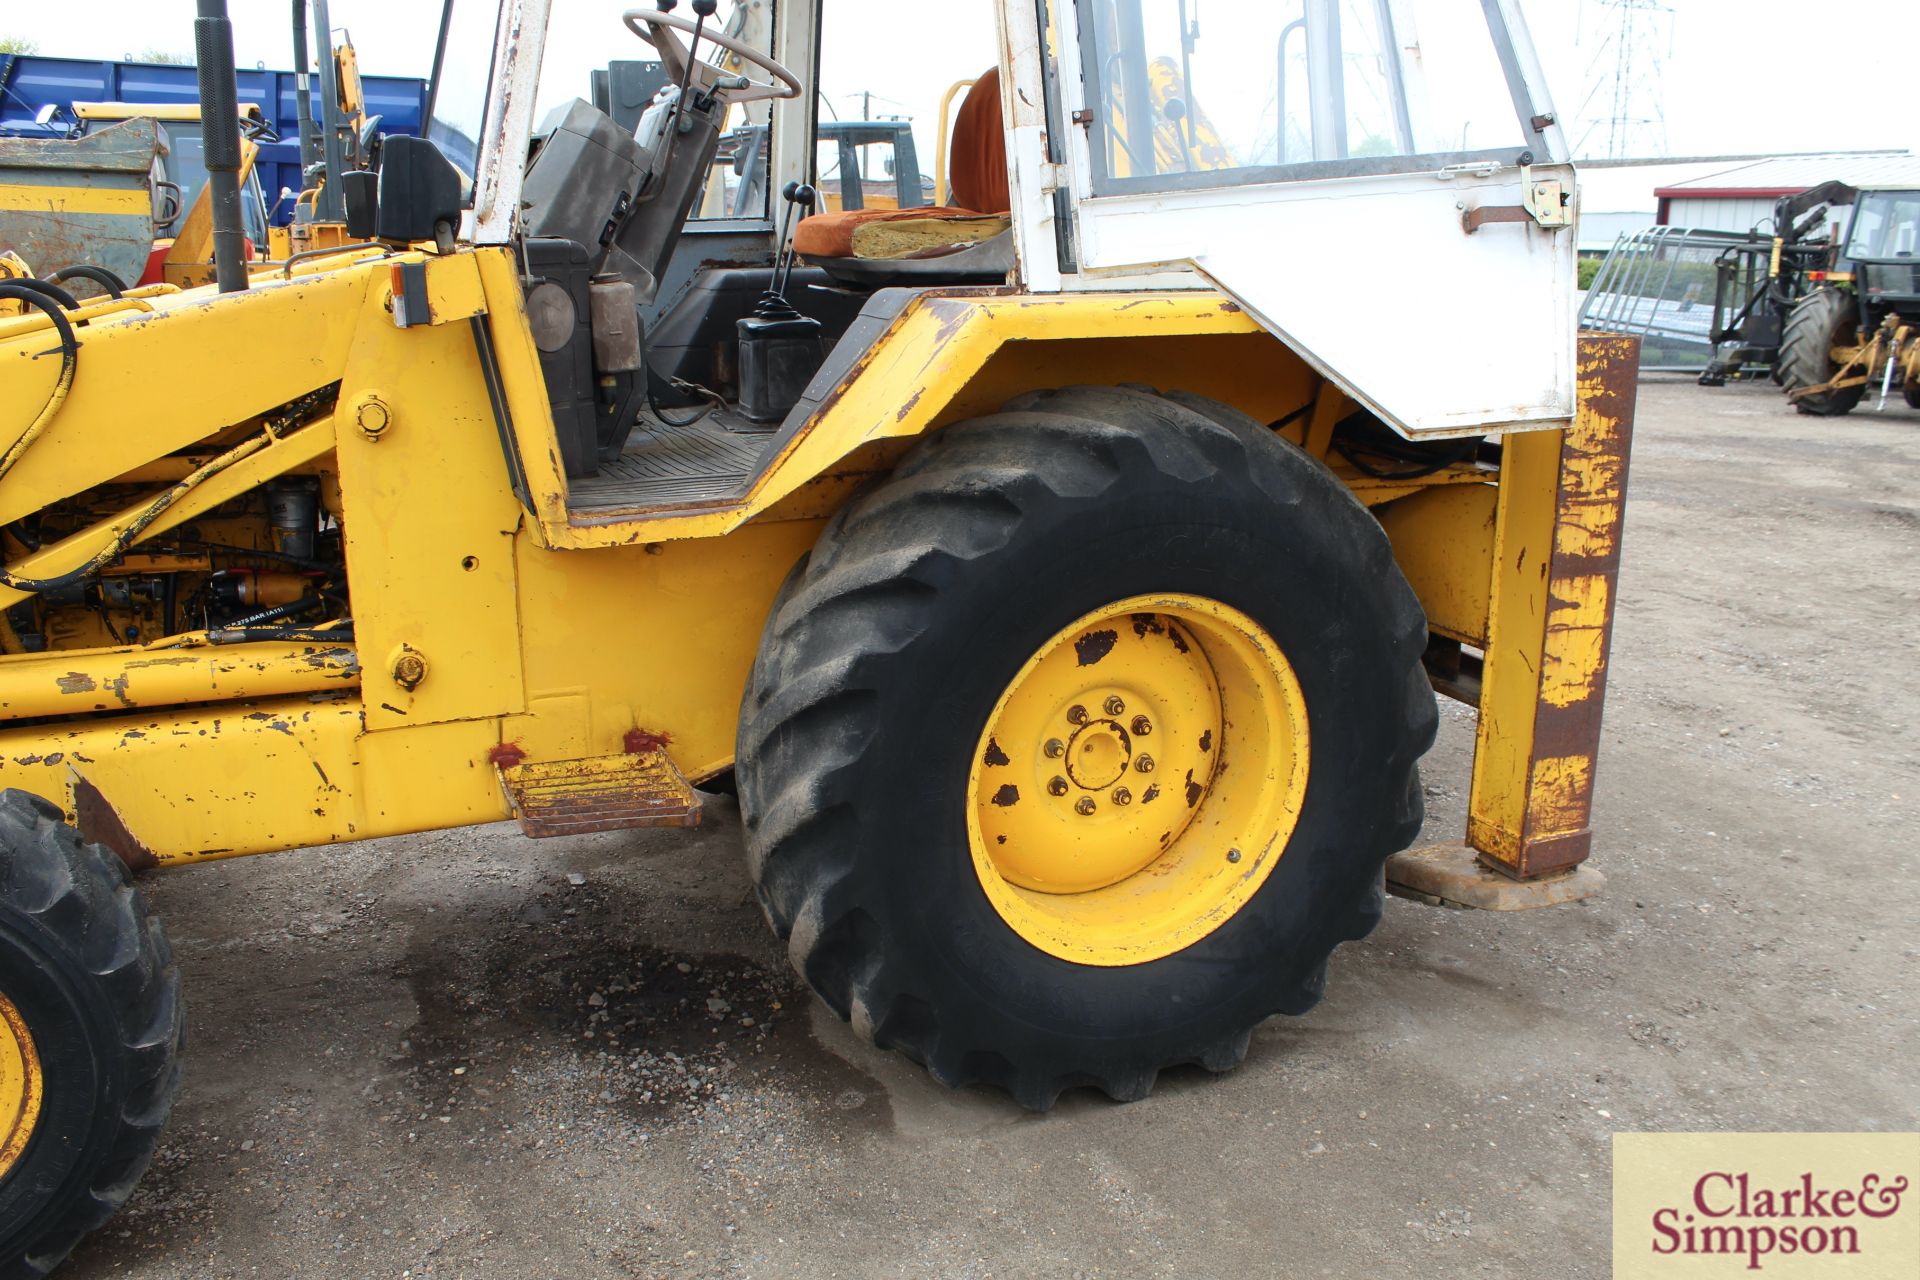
{"x": 90, "y": 1036}
{"x": 1075, "y": 747}
{"x": 1822, "y": 320}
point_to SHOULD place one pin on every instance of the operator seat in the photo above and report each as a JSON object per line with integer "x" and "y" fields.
{"x": 977, "y": 170}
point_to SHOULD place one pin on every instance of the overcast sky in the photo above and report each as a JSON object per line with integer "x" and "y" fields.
{"x": 1730, "y": 82}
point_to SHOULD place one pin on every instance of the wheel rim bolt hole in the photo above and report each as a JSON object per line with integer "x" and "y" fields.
{"x": 1057, "y": 787}
{"x": 1076, "y": 714}
{"x": 1084, "y": 806}
{"x": 1055, "y": 748}
{"x": 1233, "y": 855}
{"x": 1122, "y": 796}
{"x": 1142, "y": 726}
{"x": 1143, "y": 763}
{"x": 1115, "y": 706}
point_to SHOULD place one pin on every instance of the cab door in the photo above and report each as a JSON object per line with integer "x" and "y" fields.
{"x": 1380, "y": 182}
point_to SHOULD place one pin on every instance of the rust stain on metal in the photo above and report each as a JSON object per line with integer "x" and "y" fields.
{"x": 98, "y": 822}
{"x": 1007, "y": 796}
{"x": 76, "y": 682}
{"x": 1194, "y": 790}
{"x": 1582, "y": 574}
{"x": 641, "y": 741}
{"x": 1206, "y": 739}
{"x": 1095, "y": 645}
{"x": 506, "y": 755}
{"x": 907, "y": 408}
{"x": 995, "y": 756}
{"x": 611, "y": 793}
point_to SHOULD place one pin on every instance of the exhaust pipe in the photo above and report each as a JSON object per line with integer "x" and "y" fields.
{"x": 302, "y": 77}
{"x": 220, "y": 132}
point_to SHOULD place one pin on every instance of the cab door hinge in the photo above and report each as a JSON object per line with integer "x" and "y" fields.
{"x": 1545, "y": 201}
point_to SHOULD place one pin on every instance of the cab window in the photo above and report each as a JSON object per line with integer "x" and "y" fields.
{"x": 1218, "y": 92}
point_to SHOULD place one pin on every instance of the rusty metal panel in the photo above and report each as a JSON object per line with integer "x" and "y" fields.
{"x": 65, "y": 201}
{"x": 1551, "y": 624}
{"x": 641, "y": 788}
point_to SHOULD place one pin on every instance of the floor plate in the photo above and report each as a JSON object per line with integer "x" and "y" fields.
{"x": 702, "y": 464}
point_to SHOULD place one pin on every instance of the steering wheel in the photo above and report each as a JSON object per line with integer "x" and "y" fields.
{"x": 656, "y": 28}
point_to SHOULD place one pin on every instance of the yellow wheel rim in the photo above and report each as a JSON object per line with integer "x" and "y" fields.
{"x": 20, "y": 1086}
{"x": 1138, "y": 780}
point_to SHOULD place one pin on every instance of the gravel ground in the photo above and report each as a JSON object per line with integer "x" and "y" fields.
{"x": 467, "y": 1054}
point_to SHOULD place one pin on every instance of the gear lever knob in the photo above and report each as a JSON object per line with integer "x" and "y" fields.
{"x": 706, "y": 8}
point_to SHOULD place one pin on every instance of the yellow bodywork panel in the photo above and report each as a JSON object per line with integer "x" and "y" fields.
{"x": 193, "y": 339}
{"x": 494, "y": 629}
{"x": 78, "y": 682}
{"x": 1443, "y": 539}
{"x": 23, "y": 198}
{"x": 921, "y": 373}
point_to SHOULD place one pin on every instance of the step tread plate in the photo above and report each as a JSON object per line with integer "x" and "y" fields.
{"x": 600, "y": 793}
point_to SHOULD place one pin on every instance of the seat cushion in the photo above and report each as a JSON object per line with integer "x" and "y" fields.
{"x": 925, "y": 232}
{"x": 977, "y": 160}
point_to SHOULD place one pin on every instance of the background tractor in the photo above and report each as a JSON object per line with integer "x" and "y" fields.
{"x": 1858, "y": 331}
{"x": 1062, "y": 575}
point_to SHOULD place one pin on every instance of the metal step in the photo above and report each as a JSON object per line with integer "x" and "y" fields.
{"x": 600, "y": 793}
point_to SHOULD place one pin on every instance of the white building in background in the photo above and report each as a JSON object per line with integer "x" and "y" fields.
{"x": 1741, "y": 197}
{"x": 1728, "y": 193}
{"x": 1616, "y": 196}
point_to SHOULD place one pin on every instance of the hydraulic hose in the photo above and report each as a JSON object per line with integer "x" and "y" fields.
{"x": 112, "y": 283}
{"x": 117, "y": 545}
{"x": 69, "y": 361}
{"x": 47, "y": 289}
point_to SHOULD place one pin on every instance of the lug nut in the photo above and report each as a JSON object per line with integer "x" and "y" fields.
{"x": 1142, "y": 726}
{"x": 1115, "y": 706}
{"x": 1233, "y": 855}
{"x": 1076, "y": 714}
{"x": 1122, "y": 796}
{"x": 1057, "y": 787}
{"x": 1083, "y": 806}
{"x": 1055, "y": 748}
{"x": 1144, "y": 764}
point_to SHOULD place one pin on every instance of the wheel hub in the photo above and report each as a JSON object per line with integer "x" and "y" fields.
{"x": 20, "y": 1086}
{"x": 1096, "y": 802}
{"x": 1098, "y": 755}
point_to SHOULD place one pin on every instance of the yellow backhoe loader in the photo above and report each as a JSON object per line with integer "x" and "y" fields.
{"x": 1064, "y": 597}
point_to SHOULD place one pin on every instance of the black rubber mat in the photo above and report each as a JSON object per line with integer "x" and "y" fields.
{"x": 703, "y": 464}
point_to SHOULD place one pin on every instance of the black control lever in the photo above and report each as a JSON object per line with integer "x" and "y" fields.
{"x": 796, "y": 194}
{"x": 779, "y": 348}
{"x": 702, "y": 10}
